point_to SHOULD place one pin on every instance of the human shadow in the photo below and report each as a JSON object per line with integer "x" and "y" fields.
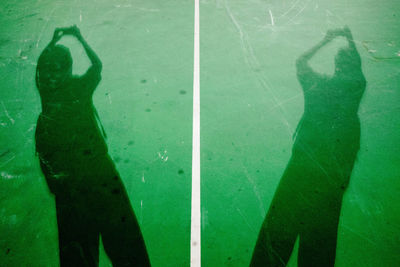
{"x": 91, "y": 200}
{"x": 308, "y": 199}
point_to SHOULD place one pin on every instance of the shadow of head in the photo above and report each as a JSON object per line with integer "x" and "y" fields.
{"x": 346, "y": 62}
{"x": 54, "y": 67}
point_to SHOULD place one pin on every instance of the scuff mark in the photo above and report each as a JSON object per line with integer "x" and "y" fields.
{"x": 31, "y": 128}
{"x": 8, "y": 176}
{"x": 163, "y": 156}
{"x": 149, "y": 9}
{"x": 374, "y": 52}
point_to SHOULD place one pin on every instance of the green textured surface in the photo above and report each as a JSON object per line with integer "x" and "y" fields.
{"x": 145, "y": 105}
{"x": 251, "y": 103}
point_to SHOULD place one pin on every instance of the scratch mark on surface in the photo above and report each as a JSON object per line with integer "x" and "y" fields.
{"x": 141, "y": 211}
{"x": 306, "y": 149}
{"x": 252, "y": 62}
{"x": 272, "y": 17}
{"x": 290, "y": 9}
{"x": 246, "y": 220}
{"x": 255, "y": 190}
{"x": 44, "y": 26}
{"x": 358, "y": 234}
{"x": 143, "y": 180}
{"x": 286, "y": 101}
{"x": 7, "y": 161}
{"x": 7, "y": 114}
{"x": 333, "y": 15}
{"x": 297, "y": 14}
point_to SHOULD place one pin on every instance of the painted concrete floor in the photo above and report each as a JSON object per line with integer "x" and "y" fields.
{"x": 251, "y": 104}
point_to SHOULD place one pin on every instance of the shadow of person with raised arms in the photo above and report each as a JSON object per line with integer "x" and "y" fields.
{"x": 90, "y": 197}
{"x": 308, "y": 199}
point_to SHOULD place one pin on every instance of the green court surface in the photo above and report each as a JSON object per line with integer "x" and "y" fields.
{"x": 251, "y": 105}
{"x": 144, "y": 102}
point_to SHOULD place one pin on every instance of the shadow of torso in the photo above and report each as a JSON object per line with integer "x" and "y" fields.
{"x": 328, "y": 135}
{"x": 68, "y": 136}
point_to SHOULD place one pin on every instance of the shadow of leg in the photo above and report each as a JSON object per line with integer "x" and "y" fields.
{"x": 77, "y": 235}
{"x": 319, "y": 237}
{"x": 280, "y": 227}
{"x": 120, "y": 231}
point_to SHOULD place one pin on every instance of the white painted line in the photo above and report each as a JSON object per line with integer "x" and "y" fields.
{"x": 195, "y": 235}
